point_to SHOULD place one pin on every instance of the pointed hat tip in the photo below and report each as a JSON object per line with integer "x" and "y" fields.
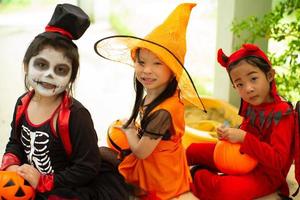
{"x": 191, "y": 5}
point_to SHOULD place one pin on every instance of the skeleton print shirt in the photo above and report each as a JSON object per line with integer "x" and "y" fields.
{"x": 36, "y": 140}
{"x": 42, "y": 147}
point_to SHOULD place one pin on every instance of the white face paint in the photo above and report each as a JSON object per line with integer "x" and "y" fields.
{"x": 49, "y": 72}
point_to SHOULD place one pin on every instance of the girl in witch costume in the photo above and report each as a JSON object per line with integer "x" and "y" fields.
{"x": 53, "y": 144}
{"x": 156, "y": 162}
{"x": 266, "y": 133}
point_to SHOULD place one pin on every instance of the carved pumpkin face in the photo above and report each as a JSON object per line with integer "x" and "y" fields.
{"x": 116, "y": 138}
{"x": 229, "y": 160}
{"x": 13, "y": 186}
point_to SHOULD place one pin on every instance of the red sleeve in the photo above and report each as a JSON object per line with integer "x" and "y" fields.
{"x": 8, "y": 160}
{"x": 46, "y": 183}
{"x": 277, "y": 152}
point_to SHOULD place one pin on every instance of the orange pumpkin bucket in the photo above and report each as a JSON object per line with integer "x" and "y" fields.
{"x": 13, "y": 186}
{"x": 229, "y": 160}
{"x": 116, "y": 138}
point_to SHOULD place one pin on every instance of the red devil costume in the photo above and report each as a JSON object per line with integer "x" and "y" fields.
{"x": 67, "y": 156}
{"x": 270, "y": 139}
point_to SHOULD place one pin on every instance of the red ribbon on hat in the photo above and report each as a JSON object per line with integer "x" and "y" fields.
{"x": 59, "y": 30}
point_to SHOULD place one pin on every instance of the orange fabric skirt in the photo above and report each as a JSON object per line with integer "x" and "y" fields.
{"x": 165, "y": 172}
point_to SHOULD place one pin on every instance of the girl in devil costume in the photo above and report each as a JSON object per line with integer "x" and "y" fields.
{"x": 156, "y": 162}
{"x": 53, "y": 144}
{"x": 266, "y": 133}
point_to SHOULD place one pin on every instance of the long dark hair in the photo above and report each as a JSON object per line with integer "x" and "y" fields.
{"x": 139, "y": 89}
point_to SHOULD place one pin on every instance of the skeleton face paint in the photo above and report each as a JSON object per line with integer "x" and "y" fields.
{"x": 49, "y": 72}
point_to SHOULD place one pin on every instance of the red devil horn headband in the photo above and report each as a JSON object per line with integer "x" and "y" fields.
{"x": 222, "y": 58}
{"x": 250, "y": 47}
{"x": 246, "y": 51}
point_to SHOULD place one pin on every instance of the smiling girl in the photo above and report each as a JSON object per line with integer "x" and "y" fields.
{"x": 156, "y": 162}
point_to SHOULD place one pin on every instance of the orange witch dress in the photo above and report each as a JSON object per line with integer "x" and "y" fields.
{"x": 165, "y": 171}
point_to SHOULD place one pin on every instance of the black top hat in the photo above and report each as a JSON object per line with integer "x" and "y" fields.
{"x": 68, "y": 21}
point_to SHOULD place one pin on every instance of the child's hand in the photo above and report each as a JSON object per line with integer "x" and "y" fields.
{"x": 29, "y": 173}
{"x": 232, "y": 135}
{"x": 12, "y": 168}
{"x": 131, "y": 128}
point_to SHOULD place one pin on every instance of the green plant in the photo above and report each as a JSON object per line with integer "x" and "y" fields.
{"x": 282, "y": 26}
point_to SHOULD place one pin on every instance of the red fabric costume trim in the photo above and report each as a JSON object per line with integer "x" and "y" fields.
{"x": 8, "y": 160}
{"x": 58, "y": 30}
{"x": 63, "y": 118}
{"x": 46, "y": 183}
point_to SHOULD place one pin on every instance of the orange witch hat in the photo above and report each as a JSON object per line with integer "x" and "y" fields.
{"x": 167, "y": 41}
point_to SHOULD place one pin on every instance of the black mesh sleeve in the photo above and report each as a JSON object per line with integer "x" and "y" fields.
{"x": 157, "y": 124}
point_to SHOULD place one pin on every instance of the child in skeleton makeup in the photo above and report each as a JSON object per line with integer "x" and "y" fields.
{"x": 53, "y": 144}
{"x": 266, "y": 134}
{"x": 156, "y": 161}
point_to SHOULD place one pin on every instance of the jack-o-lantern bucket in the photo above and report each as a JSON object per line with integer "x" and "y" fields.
{"x": 229, "y": 160}
{"x": 116, "y": 138}
{"x": 13, "y": 186}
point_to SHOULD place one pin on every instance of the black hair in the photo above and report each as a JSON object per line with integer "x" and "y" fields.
{"x": 139, "y": 98}
{"x": 254, "y": 61}
{"x": 68, "y": 48}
